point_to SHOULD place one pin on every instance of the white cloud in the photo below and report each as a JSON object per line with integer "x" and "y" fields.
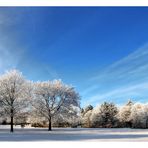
{"x": 14, "y": 52}
{"x": 122, "y": 92}
{"x": 10, "y": 51}
{"x": 8, "y": 58}
{"x": 125, "y": 78}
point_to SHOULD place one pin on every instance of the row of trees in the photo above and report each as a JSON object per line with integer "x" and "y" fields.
{"x": 21, "y": 99}
{"x": 54, "y": 103}
{"x": 133, "y": 115}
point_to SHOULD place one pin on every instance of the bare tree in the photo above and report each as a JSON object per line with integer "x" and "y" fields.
{"x": 14, "y": 94}
{"x": 50, "y": 97}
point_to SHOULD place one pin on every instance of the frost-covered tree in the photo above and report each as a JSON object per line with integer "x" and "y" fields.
{"x": 35, "y": 120}
{"x": 67, "y": 117}
{"x": 124, "y": 114}
{"x": 14, "y": 94}
{"x": 85, "y": 116}
{"x": 95, "y": 117}
{"x": 21, "y": 119}
{"x": 72, "y": 114}
{"x": 1, "y": 111}
{"x": 51, "y": 97}
{"x": 108, "y": 112}
{"x": 86, "y": 121}
{"x": 89, "y": 107}
{"x": 139, "y": 115}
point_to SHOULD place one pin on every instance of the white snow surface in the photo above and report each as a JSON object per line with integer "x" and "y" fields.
{"x": 73, "y": 134}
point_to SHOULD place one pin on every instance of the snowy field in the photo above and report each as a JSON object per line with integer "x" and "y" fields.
{"x": 73, "y": 134}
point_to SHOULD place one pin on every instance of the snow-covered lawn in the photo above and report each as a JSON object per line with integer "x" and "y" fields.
{"x": 73, "y": 134}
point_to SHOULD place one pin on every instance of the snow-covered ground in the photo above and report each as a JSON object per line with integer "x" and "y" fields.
{"x": 73, "y": 134}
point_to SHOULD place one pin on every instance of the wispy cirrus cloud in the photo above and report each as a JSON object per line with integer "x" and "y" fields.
{"x": 15, "y": 52}
{"x": 10, "y": 50}
{"x": 127, "y": 92}
{"x": 127, "y": 78}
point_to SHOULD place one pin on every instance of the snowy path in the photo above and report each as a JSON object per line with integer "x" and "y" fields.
{"x": 74, "y": 134}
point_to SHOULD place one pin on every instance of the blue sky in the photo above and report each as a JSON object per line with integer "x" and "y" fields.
{"x": 102, "y": 51}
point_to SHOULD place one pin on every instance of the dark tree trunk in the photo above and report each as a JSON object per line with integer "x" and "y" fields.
{"x": 49, "y": 126}
{"x": 11, "y": 124}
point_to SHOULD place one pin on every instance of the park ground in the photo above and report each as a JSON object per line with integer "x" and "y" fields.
{"x": 74, "y": 134}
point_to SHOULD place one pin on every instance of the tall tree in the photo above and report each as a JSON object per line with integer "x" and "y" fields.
{"x": 14, "y": 94}
{"x": 95, "y": 118}
{"x": 139, "y": 115}
{"x": 86, "y": 114}
{"x": 124, "y": 114}
{"x": 50, "y": 97}
{"x": 108, "y": 112}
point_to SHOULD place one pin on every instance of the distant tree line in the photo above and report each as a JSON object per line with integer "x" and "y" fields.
{"x": 108, "y": 115}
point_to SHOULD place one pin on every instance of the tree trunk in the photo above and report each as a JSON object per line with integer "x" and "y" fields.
{"x": 49, "y": 127}
{"x": 11, "y": 124}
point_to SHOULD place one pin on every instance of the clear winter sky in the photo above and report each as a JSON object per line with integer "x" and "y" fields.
{"x": 102, "y": 51}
